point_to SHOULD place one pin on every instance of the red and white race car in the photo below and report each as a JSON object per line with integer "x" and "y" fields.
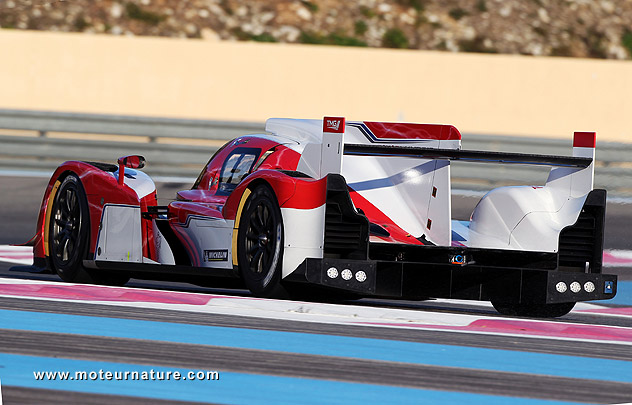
{"x": 283, "y": 212}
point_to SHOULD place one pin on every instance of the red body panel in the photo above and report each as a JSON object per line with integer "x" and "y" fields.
{"x": 309, "y": 194}
{"x": 181, "y": 210}
{"x": 387, "y": 130}
{"x": 149, "y": 247}
{"x": 398, "y": 235}
{"x": 283, "y": 158}
{"x": 282, "y": 184}
{"x": 202, "y": 196}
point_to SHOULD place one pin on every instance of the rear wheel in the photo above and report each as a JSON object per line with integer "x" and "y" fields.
{"x": 260, "y": 244}
{"x": 534, "y": 310}
{"x": 69, "y": 236}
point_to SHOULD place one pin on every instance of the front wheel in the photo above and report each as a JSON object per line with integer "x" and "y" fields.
{"x": 260, "y": 244}
{"x": 534, "y": 310}
{"x": 69, "y": 231}
{"x": 69, "y": 236}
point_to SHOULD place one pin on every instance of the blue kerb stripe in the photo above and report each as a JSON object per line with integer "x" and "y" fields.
{"x": 325, "y": 345}
{"x": 624, "y": 294}
{"x": 231, "y": 388}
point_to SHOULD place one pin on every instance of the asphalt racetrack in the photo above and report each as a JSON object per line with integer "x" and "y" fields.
{"x": 268, "y": 351}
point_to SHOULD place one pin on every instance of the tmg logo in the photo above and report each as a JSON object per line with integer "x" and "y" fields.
{"x": 333, "y": 124}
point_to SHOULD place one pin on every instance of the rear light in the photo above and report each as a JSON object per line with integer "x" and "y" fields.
{"x": 346, "y": 274}
{"x": 561, "y": 287}
{"x": 332, "y": 272}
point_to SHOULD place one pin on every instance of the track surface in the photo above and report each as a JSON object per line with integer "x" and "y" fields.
{"x": 275, "y": 352}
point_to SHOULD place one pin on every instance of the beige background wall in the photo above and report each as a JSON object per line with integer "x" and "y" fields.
{"x": 493, "y": 94}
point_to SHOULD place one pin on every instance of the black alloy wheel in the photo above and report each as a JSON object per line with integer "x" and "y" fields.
{"x": 69, "y": 237}
{"x": 260, "y": 244}
{"x": 69, "y": 225}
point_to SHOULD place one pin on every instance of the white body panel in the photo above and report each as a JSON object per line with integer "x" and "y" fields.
{"x": 331, "y": 154}
{"x": 531, "y": 218}
{"x": 440, "y": 205}
{"x": 163, "y": 250}
{"x": 140, "y": 182}
{"x": 522, "y": 218}
{"x": 574, "y": 182}
{"x": 212, "y": 241}
{"x": 402, "y": 189}
{"x": 304, "y": 235}
{"x": 310, "y": 160}
{"x": 120, "y": 238}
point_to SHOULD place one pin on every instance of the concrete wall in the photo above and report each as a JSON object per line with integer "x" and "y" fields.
{"x": 493, "y": 94}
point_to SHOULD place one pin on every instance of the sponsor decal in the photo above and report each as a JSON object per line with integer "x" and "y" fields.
{"x": 216, "y": 255}
{"x": 334, "y": 124}
{"x": 608, "y": 287}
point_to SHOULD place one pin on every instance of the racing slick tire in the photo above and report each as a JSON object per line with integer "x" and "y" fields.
{"x": 69, "y": 236}
{"x": 534, "y": 310}
{"x": 260, "y": 244}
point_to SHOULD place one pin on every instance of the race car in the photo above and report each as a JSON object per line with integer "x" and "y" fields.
{"x": 349, "y": 209}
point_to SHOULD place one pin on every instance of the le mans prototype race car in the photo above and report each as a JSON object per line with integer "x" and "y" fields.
{"x": 283, "y": 212}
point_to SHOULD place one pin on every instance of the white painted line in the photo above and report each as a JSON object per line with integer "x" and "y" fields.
{"x": 26, "y": 173}
{"x": 621, "y": 254}
{"x": 16, "y": 254}
{"x": 617, "y": 258}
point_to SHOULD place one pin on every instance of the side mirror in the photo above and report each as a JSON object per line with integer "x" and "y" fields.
{"x": 133, "y": 162}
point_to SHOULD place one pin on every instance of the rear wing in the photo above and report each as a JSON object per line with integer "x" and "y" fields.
{"x": 466, "y": 155}
{"x": 572, "y": 176}
{"x": 323, "y": 144}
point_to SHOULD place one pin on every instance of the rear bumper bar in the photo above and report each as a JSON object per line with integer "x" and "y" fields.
{"x": 407, "y": 280}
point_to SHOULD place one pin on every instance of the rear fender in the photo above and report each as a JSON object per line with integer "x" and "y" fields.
{"x": 283, "y": 186}
{"x": 302, "y": 204}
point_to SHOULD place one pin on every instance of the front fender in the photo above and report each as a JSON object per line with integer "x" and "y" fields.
{"x": 101, "y": 187}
